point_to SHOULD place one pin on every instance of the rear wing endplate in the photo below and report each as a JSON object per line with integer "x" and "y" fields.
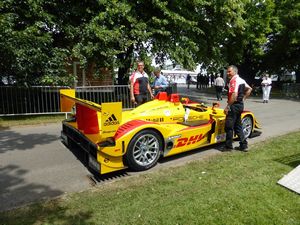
{"x": 89, "y": 115}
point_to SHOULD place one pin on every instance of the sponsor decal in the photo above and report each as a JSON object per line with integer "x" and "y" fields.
{"x": 174, "y": 137}
{"x": 161, "y": 119}
{"x": 108, "y": 131}
{"x": 192, "y": 118}
{"x": 167, "y": 112}
{"x": 189, "y": 140}
{"x": 220, "y": 137}
{"x": 112, "y": 120}
{"x": 179, "y": 119}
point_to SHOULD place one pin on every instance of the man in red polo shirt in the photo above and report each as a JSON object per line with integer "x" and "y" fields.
{"x": 238, "y": 91}
{"x": 139, "y": 85}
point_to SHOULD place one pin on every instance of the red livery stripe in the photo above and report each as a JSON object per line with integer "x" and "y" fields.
{"x": 126, "y": 127}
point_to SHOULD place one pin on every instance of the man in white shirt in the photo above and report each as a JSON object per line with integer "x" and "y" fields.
{"x": 219, "y": 85}
{"x": 266, "y": 85}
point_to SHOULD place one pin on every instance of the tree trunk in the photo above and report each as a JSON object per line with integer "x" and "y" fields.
{"x": 247, "y": 74}
{"x": 298, "y": 76}
{"x": 126, "y": 60}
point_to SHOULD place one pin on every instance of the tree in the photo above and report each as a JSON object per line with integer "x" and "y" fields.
{"x": 38, "y": 38}
{"x": 124, "y": 31}
{"x": 282, "y": 50}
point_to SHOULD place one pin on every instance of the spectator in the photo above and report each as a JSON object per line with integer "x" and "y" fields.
{"x": 212, "y": 80}
{"x": 206, "y": 81}
{"x": 188, "y": 80}
{"x": 266, "y": 85}
{"x": 160, "y": 82}
{"x": 198, "y": 80}
{"x": 238, "y": 91}
{"x": 219, "y": 85}
{"x": 139, "y": 85}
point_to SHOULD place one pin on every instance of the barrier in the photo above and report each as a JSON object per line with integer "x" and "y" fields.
{"x": 39, "y": 100}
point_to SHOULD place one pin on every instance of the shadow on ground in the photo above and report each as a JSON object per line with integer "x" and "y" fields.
{"x": 3, "y": 127}
{"x": 39, "y": 212}
{"x": 292, "y": 160}
{"x": 15, "y": 191}
{"x": 11, "y": 140}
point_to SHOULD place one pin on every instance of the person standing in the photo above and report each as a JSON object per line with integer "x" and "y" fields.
{"x": 206, "y": 81}
{"x": 219, "y": 85}
{"x": 160, "y": 82}
{"x": 266, "y": 86}
{"x": 212, "y": 79}
{"x": 238, "y": 91}
{"x": 139, "y": 85}
{"x": 188, "y": 80}
{"x": 198, "y": 80}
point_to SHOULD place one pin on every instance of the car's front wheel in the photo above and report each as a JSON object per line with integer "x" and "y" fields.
{"x": 143, "y": 150}
{"x": 247, "y": 125}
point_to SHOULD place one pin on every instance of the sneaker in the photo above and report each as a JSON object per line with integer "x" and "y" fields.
{"x": 242, "y": 148}
{"x": 225, "y": 148}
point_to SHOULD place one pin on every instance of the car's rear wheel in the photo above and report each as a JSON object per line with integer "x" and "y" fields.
{"x": 247, "y": 124}
{"x": 143, "y": 150}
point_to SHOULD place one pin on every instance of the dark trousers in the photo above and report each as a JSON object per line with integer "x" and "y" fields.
{"x": 219, "y": 90}
{"x": 233, "y": 125}
{"x": 140, "y": 99}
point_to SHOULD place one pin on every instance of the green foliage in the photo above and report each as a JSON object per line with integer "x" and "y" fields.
{"x": 284, "y": 46}
{"x": 38, "y": 37}
{"x": 26, "y": 43}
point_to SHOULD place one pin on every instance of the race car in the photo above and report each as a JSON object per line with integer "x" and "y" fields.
{"x": 113, "y": 139}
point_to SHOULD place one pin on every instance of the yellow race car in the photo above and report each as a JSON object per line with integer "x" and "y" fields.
{"x": 114, "y": 139}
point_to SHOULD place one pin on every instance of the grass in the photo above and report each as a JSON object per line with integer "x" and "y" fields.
{"x": 9, "y": 121}
{"x": 231, "y": 188}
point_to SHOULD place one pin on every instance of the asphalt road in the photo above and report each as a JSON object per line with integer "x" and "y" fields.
{"x": 35, "y": 165}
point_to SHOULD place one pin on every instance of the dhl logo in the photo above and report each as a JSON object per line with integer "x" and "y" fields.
{"x": 188, "y": 141}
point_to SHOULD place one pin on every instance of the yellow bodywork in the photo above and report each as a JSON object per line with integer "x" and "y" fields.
{"x": 109, "y": 130}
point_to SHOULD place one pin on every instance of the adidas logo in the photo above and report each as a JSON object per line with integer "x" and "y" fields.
{"x": 112, "y": 120}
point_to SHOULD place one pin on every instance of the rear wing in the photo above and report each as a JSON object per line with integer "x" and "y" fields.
{"x": 89, "y": 115}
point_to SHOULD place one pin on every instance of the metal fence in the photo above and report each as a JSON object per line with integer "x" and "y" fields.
{"x": 101, "y": 94}
{"x": 46, "y": 100}
{"x": 291, "y": 90}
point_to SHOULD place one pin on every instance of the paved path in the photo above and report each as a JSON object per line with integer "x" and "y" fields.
{"x": 34, "y": 164}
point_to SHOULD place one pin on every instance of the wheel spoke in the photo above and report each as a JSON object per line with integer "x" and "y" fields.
{"x": 146, "y": 149}
{"x": 247, "y": 126}
{"x": 137, "y": 155}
